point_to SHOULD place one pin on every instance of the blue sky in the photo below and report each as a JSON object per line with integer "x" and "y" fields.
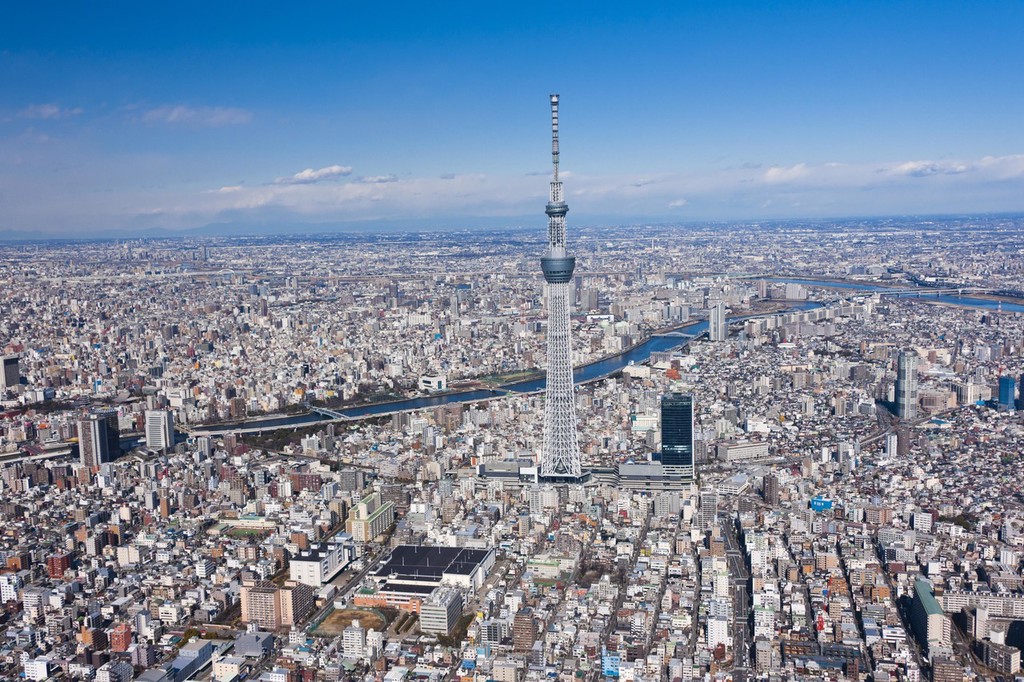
{"x": 132, "y": 116}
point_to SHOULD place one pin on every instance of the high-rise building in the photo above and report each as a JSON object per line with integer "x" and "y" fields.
{"x": 892, "y": 442}
{"x": 947, "y": 670}
{"x": 707, "y": 512}
{"x": 121, "y": 637}
{"x": 99, "y": 439}
{"x": 560, "y": 457}
{"x": 718, "y": 330}
{"x": 10, "y": 583}
{"x": 94, "y": 638}
{"x": 524, "y": 630}
{"x": 441, "y": 611}
{"x": 114, "y": 671}
{"x": 10, "y": 372}
{"x": 354, "y": 641}
{"x": 1020, "y": 394}
{"x": 260, "y": 604}
{"x": 1007, "y": 388}
{"x": 999, "y": 657}
{"x": 906, "y": 385}
{"x": 677, "y": 435}
{"x": 369, "y": 518}
{"x": 297, "y": 601}
{"x": 272, "y": 607}
{"x": 930, "y": 624}
{"x": 771, "y": 490}
{"x": 57, "y": 565}
{"x": 143, "y": 655}
{"x": 159, "y": 429}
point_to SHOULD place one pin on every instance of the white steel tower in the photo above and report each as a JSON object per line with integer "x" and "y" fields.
{"x": 561, "y": 455}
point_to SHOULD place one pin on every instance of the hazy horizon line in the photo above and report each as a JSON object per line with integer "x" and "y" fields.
{"x": 271, "y": 229}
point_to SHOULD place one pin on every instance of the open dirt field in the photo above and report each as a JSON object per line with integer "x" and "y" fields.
{"x": 336, "y": 622}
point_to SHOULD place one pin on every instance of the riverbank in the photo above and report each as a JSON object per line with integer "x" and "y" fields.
{"x": 882, "y": 285}
{"x": 1000, "y": 298}
{"x": 659, "y": 341}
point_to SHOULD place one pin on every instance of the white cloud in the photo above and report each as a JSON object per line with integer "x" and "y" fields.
{"x": 752, "y": 191}
{"x": 310, "y": 175}
{"x": 48, "y": 111}
{"x": 1002, "y": 167}
{"x": 785, "y": 174}
{"x": 203, "y": 117}
{"x": 828, "y": 188}
{"x": 923, "y": 169}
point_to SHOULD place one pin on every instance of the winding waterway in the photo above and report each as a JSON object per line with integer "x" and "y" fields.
{"x": 596, "y": 370}
{"x": 924, "y": 293}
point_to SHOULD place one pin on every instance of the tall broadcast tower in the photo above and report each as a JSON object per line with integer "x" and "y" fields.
{"x": 560, "y": 458}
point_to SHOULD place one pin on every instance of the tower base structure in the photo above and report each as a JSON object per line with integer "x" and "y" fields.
{"x": 649, "y": 476}
{"x": 563, "y": 479}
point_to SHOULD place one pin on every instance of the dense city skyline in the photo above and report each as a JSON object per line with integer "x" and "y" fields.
{"x": 293, "y": 388}
{"x": 120, "y": 122}
{"x": 800, "y": 448}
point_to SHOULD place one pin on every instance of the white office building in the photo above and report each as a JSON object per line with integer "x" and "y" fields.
{"x": 441, "y": 612}
{"x": 159, "y": 429}
{"x": 317, "y": 565}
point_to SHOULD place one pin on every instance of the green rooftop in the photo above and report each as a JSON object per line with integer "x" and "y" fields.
{"x": 927, "y": 597}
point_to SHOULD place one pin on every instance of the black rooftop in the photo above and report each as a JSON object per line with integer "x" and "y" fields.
{"x": 419, "y": 561}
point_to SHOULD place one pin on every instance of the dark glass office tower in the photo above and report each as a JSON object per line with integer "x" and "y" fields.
{"x": 1007, "y": 388}
{"x": 99, "y": 438}
{"x": 677, "y": 435}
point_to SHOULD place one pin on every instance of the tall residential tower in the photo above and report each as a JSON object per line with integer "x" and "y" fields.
{"x": 560, "y": 458}
{"x": 718, "y": 328}
{"x": 906, "y": 385}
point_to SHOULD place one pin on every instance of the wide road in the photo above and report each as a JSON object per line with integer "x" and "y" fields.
{"x": 739, "y": 578}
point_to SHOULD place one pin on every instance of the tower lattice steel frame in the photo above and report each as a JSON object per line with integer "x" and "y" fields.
{"x": 560, "y": 457}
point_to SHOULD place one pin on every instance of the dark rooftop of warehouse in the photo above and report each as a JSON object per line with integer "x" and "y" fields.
{"x": 430, "y": 563}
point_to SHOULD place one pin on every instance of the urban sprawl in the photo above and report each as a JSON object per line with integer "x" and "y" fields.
{"x": 311, "y": 459}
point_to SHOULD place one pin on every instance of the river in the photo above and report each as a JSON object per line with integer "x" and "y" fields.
{"x": 963, "y": 301}
{"x": 638, "y": 354}
{"x": 596, "y": 370}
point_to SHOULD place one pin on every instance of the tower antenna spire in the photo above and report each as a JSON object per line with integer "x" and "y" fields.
{"x": 554, "y": 135}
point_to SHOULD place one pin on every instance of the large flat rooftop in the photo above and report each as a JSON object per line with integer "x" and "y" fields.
{"x": 413, "y": 562}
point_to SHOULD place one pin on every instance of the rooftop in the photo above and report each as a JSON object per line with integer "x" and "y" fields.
{"x": 415, "y": 561}
{"x": 924, "y": 592}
